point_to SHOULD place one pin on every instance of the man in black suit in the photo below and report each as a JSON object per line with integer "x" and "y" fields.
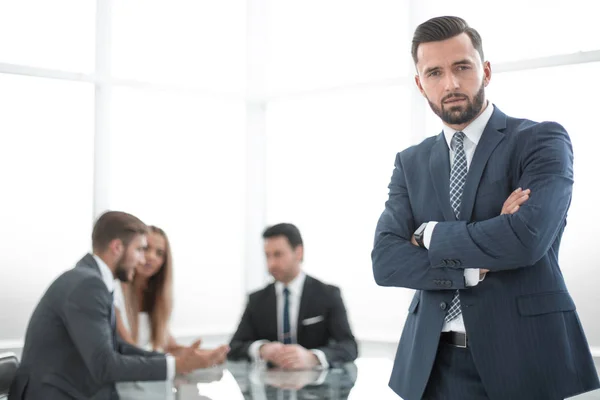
{"x": 72, "y": 350}
{"x": 297, "y": 322}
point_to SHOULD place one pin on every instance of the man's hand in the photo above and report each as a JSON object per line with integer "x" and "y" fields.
{"x": 269, "y": 351}
{"x": 295, "y": 357}
{"x": 192, "y": 357}
{"x": 514, "y": 201}
{"x": 414, "y": 241}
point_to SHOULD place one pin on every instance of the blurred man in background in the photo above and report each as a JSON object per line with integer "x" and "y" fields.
{"x": 72, "y": 349}
{"x": 297, "y": 322}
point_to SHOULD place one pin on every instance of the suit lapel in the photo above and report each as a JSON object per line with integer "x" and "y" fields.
{"x": 490, "y": 138}
{"x": 304, "y": 300}
{"x": 270, "y": 312}
{"x": 439, "y": 168}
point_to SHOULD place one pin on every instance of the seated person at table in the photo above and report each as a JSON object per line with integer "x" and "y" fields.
{"x": 297, "y": 322}
{"x": 143, "y": 305}
{"x": 72, "y": 349}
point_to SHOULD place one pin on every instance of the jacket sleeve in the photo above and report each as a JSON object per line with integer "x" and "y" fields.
{"x": 342, "y": 347}
{"x": 243, "y": 338}
{"x": 396, "y": 261}
{"x": 86, "y": 314}
{"x": 520, "y": 239}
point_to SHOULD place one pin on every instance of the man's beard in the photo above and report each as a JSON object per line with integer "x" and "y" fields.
{"x": 450, "y": 116}
{"x": 121, "y": 272}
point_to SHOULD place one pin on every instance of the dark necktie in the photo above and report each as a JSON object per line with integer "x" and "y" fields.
{"x": 287, "y": 334}
{"x": 458, "y": 176}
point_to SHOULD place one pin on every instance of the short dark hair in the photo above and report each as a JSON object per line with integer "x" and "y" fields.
{"x": 290, "y": 231}
{"x": 116, "y": 225}
{"x": 442, "y": 28}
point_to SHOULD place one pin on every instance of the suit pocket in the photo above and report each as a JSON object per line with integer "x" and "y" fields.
{"x": 414, "y": 303}
{"x": 313, "y": 320}
{"x": 545, "y": 303}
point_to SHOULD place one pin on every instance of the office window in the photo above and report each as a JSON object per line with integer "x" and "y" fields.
{"x": 46, "y": 159}
{"x": 515, "y": 29}
{"x": 185, "y": 42}
{"x": 329, "y": 162}
{"x": 178, "y": 162}
{"x": 56, "y": 34}
{"x": 316, "y": 43}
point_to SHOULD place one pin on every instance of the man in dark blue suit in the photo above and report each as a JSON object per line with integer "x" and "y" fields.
{"x": 473, "y": 222}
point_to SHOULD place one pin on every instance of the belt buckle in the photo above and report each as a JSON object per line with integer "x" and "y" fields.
{"x": 462, "y": 345}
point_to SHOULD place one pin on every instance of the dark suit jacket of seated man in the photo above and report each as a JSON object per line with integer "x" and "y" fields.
{"x": 316, "y": 318}
{"x": 72, "y": 350}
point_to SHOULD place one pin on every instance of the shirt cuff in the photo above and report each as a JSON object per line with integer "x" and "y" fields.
{"x": 471, "y": 276}
{"x": 427, "y": 234}
{"x": 321, "y": 378}
{"x": 322, "y": 359}
{"x": 254, "y": 350}
{"x": 170, "y": 367}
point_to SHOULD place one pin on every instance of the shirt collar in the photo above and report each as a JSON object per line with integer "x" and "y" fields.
{"x": 295, "y": 286}
{"x": 475, "y": 129}
{"x": 107, "y": 275}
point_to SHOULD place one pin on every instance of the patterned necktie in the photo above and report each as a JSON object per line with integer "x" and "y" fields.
{"x": 287, "y": 334}
{"x": 458, "y": 176}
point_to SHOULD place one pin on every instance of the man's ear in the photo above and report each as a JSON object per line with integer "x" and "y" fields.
{"x": 487, "y": 73}
{"x": 419, "y": 86}
{"x": 299, "y": 252}
{"x": 116, "y": 247}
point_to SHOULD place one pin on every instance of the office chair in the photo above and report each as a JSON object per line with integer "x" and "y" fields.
{"x": 8, "y": 367}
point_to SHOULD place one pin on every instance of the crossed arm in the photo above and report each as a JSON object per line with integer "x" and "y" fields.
{"x": 510, "y": 240}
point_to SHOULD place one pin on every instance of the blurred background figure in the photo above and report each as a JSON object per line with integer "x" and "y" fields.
{"x": 144, "y": 304}
{"x": 297, "y": 322}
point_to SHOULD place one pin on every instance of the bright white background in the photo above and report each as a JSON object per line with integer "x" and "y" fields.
{"x": 214, "y": 119}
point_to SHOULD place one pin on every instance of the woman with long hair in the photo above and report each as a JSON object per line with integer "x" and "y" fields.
{"x": 143, "y": 306}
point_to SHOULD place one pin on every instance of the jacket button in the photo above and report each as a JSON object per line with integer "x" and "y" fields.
{"x": 443, "y": 305}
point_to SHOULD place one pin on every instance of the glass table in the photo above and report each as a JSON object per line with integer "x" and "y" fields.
{"x": 366, "y": 378}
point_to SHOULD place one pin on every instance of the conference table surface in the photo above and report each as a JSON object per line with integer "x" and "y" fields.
{"x": 365, "y": 378}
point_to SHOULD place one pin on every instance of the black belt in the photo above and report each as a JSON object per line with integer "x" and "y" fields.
{"x": 457, "y": 339}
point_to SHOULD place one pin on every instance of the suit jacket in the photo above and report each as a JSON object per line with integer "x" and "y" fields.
{"x": 524, "y": 333}
{"x": 331, "y": 334}
{"x": 69, "y": 351}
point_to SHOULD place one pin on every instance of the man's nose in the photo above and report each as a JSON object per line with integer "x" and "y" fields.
{"x": 451, "y": 82}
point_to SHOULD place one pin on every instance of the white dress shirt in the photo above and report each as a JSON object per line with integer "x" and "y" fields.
{"x": 109, "y": 281}
{"x": 472, "y": 133}
{"x": 295, "y": 288}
